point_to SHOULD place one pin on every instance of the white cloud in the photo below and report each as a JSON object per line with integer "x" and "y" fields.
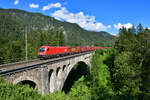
{"x": 52, "y": 5}
{"x": 119, "y": 25}
{"x": 114, "y": 34}
{"x": 85, "y": 21}
{"x": 109, "y": 26}
{"x": 32, "y": 5}
{"x": 16, "y": 2}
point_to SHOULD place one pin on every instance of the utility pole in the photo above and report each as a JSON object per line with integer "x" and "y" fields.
{"x": 26, "y": 42}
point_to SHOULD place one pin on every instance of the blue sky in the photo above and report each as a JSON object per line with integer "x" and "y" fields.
{"x": 93, "y": 15}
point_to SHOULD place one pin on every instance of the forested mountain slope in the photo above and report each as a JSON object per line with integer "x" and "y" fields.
{"x": 74, "y": 34}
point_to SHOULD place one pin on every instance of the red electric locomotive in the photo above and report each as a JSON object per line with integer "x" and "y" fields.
{"x": 49, "y": 51}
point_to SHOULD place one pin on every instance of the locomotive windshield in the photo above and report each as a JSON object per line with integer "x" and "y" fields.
{"x": 42, "y": 49}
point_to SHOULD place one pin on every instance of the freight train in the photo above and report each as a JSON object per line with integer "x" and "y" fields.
{"x": 46, "y": 52}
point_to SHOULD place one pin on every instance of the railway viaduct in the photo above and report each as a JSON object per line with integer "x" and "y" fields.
{"x": 46, "y": 75}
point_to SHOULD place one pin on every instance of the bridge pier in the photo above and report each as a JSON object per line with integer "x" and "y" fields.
{"x": 44, "y": 80}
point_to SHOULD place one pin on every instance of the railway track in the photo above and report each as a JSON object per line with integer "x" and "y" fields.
{"x": 11, "y": 68}
{"x": 16, "y": 65}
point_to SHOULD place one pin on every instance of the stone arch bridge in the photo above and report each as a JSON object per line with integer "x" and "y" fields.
{"x": 47, "y": 75}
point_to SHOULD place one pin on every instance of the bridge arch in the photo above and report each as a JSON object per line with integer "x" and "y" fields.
{"x": 51, "y": 80}
{"x": 77, "y": 70}
{"x": 59, "y": 77}
{"x": 64, "y": 67}
{"x": 29, "y": 82}
{"x": 58, "y": 70}
{"x": 33, "y": 83}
